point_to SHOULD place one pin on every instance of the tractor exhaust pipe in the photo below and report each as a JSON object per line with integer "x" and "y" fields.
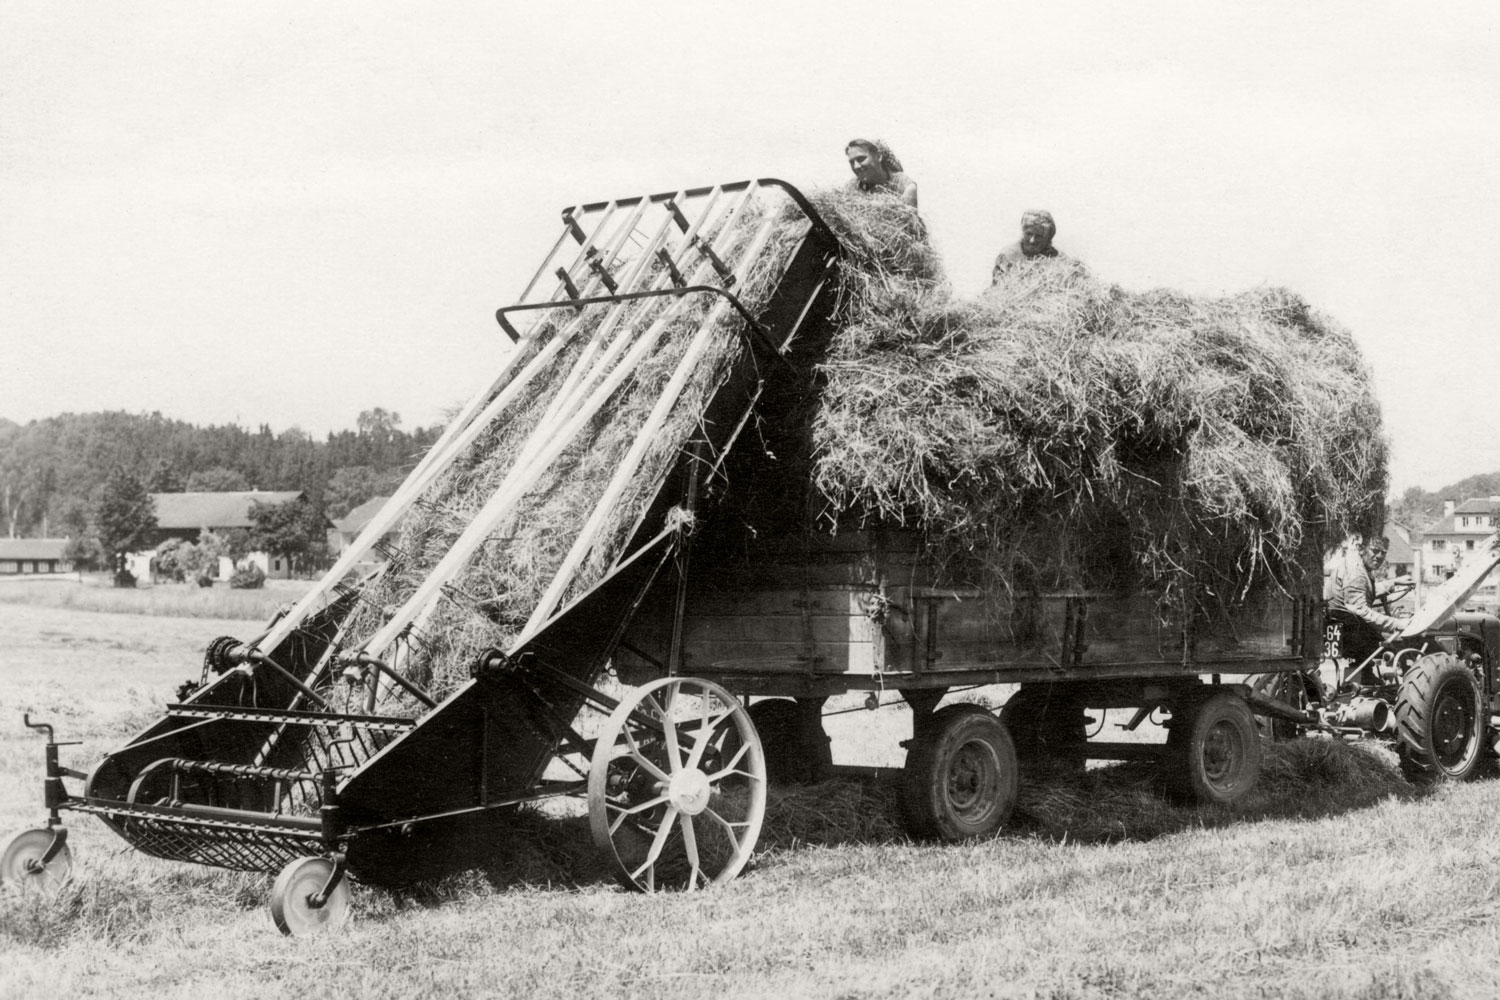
{"x": 1280, "y": 710}
{"x": 1369, "y": 714}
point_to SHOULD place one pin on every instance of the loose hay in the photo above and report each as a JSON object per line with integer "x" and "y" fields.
{"x": 1073, "y": 434}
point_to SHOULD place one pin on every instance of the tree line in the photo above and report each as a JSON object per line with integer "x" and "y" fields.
{"x": 53, "y": 471}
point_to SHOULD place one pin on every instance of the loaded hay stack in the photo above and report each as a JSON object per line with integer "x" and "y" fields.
{"x": 1054, "y": 434}
{"x": 1073, "y": 435}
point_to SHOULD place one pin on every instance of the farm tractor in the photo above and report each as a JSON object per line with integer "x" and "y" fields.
{"x": 1432, "y": 690}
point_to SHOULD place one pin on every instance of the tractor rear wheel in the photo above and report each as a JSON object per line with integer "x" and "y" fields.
{"x": 961, "y": 777}
{"x": 1439, "y": 720}
{"x": 1213, "y": 750}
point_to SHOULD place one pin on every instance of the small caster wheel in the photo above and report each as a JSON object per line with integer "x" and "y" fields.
{"x": 22, "y": 863}
{"x": 296, "y": 903}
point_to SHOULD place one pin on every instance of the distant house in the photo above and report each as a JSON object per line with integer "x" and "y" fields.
{"x": 347, "y": 528}
{"x": 186, "y": 516}
{"x": 1449, "y": 541}
{"x": 33, "y": 556}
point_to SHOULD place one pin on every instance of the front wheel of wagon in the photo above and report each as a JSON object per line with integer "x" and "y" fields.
{"x": 677, "y": 786}
{"x": 1213, "y": 750}
{"x": 25, "y": 864}
{"x": 961, "y": 777}
{"x": 298, "y": 903}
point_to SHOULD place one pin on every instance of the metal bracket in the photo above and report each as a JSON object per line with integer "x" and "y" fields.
{"x": 317, "y": 899}
{"x": 597, "y": 266}
{"x": 707, "y": 251}
{"x": 678, "y": 281}
{"x": 567, "y": 280}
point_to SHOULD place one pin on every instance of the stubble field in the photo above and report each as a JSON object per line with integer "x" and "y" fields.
{"x": 1354, "y": 888}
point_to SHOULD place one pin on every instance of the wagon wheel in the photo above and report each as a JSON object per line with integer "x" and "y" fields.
{"x": 1213, "y": 750}
{"x": 296, "y": 903}
{"x": 960, "y": 778}
{"x": 677, "y": 806}
{"x": 22, "y": 863}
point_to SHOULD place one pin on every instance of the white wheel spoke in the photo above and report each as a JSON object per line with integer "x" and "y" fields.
{"x": 706, "y": 734}
{"x": 731, "y": 767}
{"x": 674, "y": 751}
{"x": 658, "y": 843}
{"x": 633, "y": 810}
{"x": 636, "y": 754}
{"x": 728, "y": 827}
{"x": 690, "y": 844}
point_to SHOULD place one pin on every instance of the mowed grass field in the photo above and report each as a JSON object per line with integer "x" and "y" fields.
{"x": 1336, "y": 880}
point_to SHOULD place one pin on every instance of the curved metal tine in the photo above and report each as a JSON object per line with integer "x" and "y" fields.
{"x": 620, "y": 310}
{"x": 586, "y": 358}
{"x": 732, "y": 214}
{"x": 581, "y": 256}
{"x": 626, "y": 468}
{"x": 568, "y": 216}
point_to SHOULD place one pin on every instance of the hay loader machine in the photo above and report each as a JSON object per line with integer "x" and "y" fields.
{"x": 1431, "y": 691}
{"x": 663, "y": 697}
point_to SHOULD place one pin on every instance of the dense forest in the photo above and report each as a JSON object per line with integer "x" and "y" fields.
{"x": 52, "y": 470}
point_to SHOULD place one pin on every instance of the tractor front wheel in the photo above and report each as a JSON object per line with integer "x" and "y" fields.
{"x": 1439, "y": 720}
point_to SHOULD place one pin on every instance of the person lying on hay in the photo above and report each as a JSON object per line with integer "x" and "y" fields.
{"x": 877, "y": 169}
{"x": 1352, "y": 595}
{"x": 1037, "y": 230}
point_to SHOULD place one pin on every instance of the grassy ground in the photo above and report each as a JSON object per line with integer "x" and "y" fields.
{"x": 1337, "y": 880}
{"x": 176, "y": 600}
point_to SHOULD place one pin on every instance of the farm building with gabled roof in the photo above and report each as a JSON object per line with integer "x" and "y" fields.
{"x": 34, "y": 556}
{"x": 186, "y": 516}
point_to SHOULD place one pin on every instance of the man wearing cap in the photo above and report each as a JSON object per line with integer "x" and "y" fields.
{"x": 1037, "y": 230}
{"x": 1352, "y": 595}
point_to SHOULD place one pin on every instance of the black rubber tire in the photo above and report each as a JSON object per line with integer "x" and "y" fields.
{"x": 1213, "y": 750}
{"x": 1047, "y": 723}
{"x": 1440, "y": 722}
{"x": 796, "y": 753}
{"x": 1288, "y": 688}
{"x": 961, "y": 776}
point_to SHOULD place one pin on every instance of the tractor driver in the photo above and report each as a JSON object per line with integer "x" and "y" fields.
{"x": 1353, "y": 593}
{"x": 876, "y": 168}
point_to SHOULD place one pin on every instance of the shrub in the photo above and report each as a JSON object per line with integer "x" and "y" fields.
{"x": 248, "y": 577}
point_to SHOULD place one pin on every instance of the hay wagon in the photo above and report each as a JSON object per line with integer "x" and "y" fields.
{"x": 676, "y": 651}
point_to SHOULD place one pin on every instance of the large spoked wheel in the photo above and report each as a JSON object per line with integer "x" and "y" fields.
{"x": 961, "y": 777}
{"x": 297, "y": 902}
{"x": 22, "y": 864}
{"x": 1213, "y": 750}
{"x": 1439, "y": 720}
{"x": 677, "y": 786}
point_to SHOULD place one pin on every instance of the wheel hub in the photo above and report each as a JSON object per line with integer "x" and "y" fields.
{"x": 690, "y": 790}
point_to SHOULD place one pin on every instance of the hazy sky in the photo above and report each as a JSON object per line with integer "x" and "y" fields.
{"x": 288, "y": 213}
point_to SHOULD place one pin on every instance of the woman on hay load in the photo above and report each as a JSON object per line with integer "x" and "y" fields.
{"x": 876, "y": 168}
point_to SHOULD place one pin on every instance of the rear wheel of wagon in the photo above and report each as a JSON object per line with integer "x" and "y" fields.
{"x": 1439, "y": 721}
{"x": 1213, "y": 750}
{"x": 796, "y": 748}
{"x": 1048, "y": 725}
{"x": 961, "y": 775}
{"x": 677, "y": 786}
